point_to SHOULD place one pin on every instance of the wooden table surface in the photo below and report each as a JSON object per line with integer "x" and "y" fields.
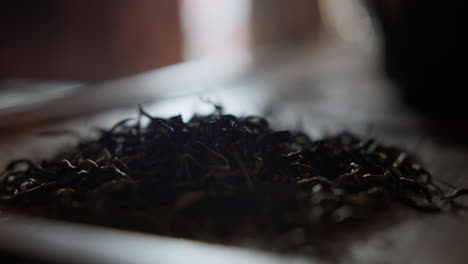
{"x": 320, "y": 92}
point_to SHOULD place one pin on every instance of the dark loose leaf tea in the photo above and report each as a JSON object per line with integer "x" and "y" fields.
{"x": 219, "y": 178}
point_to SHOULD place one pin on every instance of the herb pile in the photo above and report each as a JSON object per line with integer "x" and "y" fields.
{"x": 219, "y": 178}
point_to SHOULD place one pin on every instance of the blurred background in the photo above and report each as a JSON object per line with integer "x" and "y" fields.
{"x": 50, "y": 47}
{"x": 89, "y": 41}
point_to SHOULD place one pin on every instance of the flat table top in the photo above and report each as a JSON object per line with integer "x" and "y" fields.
{"x": 318, "y": 92}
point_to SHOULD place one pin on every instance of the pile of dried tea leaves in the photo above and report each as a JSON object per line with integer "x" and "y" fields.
{"x": 219, "y": 178}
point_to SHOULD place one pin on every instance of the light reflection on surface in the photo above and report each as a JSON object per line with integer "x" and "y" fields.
{"x": 86, "y": 244}
{"x": 234, "y": 100}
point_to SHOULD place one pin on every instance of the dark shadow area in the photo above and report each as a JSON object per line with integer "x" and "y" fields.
{"x": 425, "y": 49}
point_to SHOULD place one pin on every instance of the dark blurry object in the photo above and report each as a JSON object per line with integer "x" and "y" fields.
{"x": 424, "y": 50}
{"x": 87, "y": 40}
